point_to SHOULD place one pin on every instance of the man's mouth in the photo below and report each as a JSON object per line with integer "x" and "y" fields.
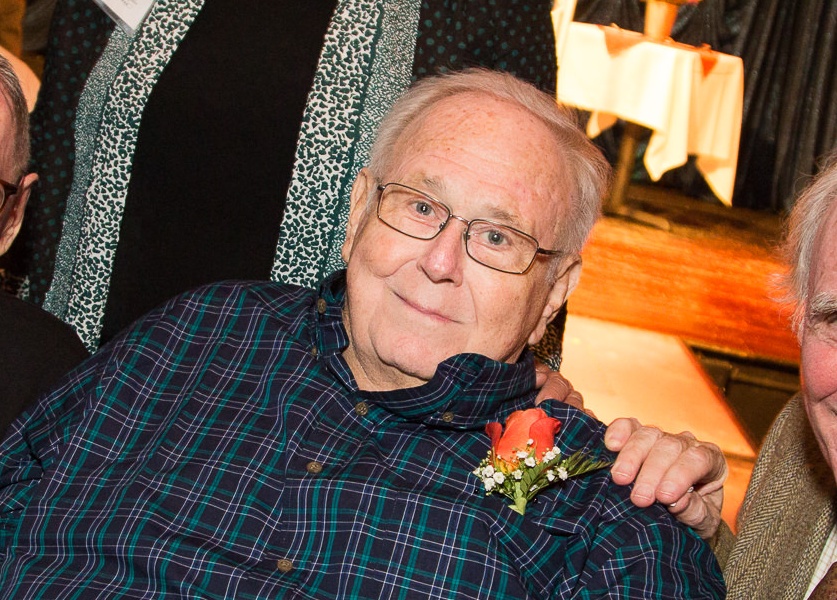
{"x": 427, "y": 311}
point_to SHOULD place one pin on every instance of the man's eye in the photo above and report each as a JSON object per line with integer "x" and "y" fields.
{"x": 495, "y": 238}
{"x": 822, "y": 318}
{"x": 824, "y": 325}
{"x": 422, "y": 208}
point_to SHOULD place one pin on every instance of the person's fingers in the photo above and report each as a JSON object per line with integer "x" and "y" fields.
{"x": 634, "y": 451}
{"x": 700, "y": 465}
{"x": 574, "y": 398}
{"x": 619, "y": 432}
{"x": 700, "y": 512}
{"x": 683, "y": 473}
{"x": 653, "y": 478}
{"x": 663, "y": 466}
{"x": 541, "y": 374}
{"x": 555, "y": 386}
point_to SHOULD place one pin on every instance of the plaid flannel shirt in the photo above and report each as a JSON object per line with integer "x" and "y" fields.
{"x": 221, "y": 449}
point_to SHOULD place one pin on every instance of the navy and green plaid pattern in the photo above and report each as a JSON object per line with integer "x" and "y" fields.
{"x": 221, "y": 449}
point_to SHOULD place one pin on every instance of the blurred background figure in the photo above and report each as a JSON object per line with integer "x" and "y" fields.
{"x": 218, "y": 142}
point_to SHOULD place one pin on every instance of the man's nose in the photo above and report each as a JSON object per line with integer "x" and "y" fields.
{"x": 445, "y": 255}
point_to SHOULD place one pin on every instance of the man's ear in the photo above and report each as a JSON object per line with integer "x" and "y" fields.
{"x": 364, "y": 184}
{"x": 561, "y": 289}
{"x": 12, "y": 215}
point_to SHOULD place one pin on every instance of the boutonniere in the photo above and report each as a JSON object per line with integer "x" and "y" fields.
{"x": 524, "y": 459}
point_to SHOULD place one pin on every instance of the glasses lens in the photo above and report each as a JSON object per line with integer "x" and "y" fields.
{"x": 411, "y": 212}
{"x": 500, "y": 247}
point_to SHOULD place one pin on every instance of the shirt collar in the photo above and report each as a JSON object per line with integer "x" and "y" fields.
{"x": 466, "y": 391}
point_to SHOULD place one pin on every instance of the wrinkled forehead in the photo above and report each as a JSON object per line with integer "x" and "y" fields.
{"x": 510, "y": 151}
{"x": 476, "y": 115}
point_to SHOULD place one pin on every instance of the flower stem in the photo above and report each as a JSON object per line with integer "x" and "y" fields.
{"x": 519, "y": 505}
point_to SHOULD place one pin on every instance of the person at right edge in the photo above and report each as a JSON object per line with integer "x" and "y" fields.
{"x": 786, "y": 545}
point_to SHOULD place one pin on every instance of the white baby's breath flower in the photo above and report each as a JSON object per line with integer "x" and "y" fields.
{"x": 530, "y": 461}
{"x": 530, "y": 442}
{"x": 489, "y": 484}
{"x": 517, "y": 474}
{"x": 499, "y": 477}
{"x": 521, "y": 454}
{"x": 562, "y": 473}
{"x": 550, "y": 475}
{"x": 488, "y": 471}
{"x": 549, "y": 455}
{"x": 556, "y": 450}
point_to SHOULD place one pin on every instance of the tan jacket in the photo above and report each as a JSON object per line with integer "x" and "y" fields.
{"x": 786, "y": 516}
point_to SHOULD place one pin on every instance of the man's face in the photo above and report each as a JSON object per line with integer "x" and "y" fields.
{"x": 819, "y": 341}
{"x": 11, "y": 214}
{"x": 414, "y": 303}
{"x": 11, "y": 211}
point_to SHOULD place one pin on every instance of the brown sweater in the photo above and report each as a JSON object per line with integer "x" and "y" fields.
{"x": 786, "y": 516}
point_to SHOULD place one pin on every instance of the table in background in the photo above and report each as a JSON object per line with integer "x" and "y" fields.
{"x": 690, "y": 98}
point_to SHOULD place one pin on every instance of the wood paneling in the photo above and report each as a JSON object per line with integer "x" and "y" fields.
{"x": 709, "y": 280}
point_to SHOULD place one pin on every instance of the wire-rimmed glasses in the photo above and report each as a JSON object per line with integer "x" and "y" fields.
{"x": 494, "y": 245}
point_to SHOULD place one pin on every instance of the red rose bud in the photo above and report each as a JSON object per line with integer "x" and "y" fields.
{"x": 519, "y": 464}
{"x": 522, "y": 426}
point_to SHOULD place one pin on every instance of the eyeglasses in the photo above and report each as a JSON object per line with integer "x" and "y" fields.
{"x": 417, "y": 215}
{"x": 8, "y": 189}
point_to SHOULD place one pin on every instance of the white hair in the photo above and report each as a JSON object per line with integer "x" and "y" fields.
{"x": 587, "y": 171}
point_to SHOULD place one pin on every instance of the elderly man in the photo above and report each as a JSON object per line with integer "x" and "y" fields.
{"x": 787, "y": 539}
{"x": 255, "y": 440}
{"x": 36, "y": 348}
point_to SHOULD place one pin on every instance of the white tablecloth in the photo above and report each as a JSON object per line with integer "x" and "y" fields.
{"x": 691, "y": 99}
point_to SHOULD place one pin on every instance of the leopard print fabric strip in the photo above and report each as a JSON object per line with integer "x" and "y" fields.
{"x": 349, "y": 97}
{"x": 338, "y": 106}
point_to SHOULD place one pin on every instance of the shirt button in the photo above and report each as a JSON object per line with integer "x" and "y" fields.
{"x": 362, "y": 408}
{"x": 447, "y": 416}
{"x": 284, "y": 565}
{"x": 314, "y": 351}
{"x": 314, "y": 467}
{"x": 321, "y": 306}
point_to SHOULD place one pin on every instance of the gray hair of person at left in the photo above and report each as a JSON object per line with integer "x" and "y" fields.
{"x": 13, "y": 93}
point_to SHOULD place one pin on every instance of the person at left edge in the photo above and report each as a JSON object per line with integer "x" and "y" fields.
{"x": 35, "y": 347}
{"x": 260, "y": 440}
